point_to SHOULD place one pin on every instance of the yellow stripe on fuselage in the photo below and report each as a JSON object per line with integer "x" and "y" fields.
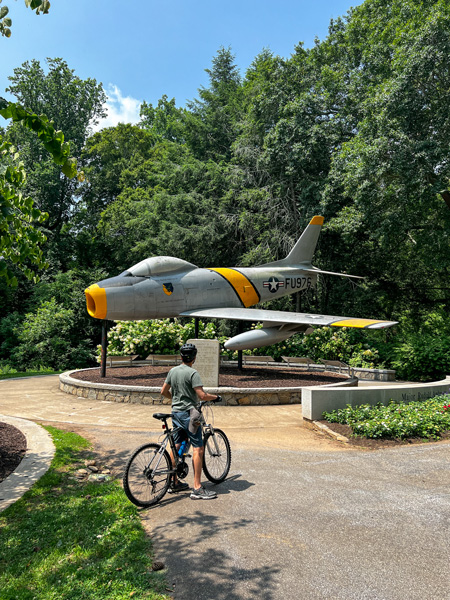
{"x": 355, "y": 323}
{"x": 241, "y": 285}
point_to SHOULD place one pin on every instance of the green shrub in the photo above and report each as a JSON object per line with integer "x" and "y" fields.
{"x": 8, "y": 337}
{"x": 164, "y": 336}
{"x": 424, "y": 419}
{"x": 423, "y": 350}
{"x": 48, "y": 337}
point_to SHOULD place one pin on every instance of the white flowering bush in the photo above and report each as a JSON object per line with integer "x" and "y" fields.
{"x": 330, "y": 343}
{"x": 164, "y": 336}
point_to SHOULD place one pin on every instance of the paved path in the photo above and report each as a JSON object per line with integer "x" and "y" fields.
{"x": 35, "y": 463}
{"x": 300, "y": 516}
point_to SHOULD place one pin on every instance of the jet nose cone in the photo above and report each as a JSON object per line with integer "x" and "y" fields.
{"x": 96, "y": 301}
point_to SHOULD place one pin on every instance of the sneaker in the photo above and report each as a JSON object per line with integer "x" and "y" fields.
{"x": 202, "y": 494}
{"x": 180, "y": 486}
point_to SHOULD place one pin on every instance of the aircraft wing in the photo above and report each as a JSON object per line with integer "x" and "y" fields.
{"x": 280, "y": 317}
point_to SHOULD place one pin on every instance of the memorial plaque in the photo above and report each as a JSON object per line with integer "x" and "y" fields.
{"x": 207, "y": 361}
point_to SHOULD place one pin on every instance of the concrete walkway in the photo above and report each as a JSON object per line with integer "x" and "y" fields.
{"x": 35, "y": 463}
{"x": 300, "y": 516}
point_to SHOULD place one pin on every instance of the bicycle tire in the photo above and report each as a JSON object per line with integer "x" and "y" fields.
{"x": 216, "y": 466}
{"x": 142, "y": 486}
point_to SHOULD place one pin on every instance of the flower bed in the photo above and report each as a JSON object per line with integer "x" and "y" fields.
{"x": 423, "y": 419}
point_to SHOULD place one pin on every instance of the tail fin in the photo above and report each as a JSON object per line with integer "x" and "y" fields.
{"x": 303, "y": 251}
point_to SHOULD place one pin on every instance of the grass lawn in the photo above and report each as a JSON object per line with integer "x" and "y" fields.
{"x": 12, "y": 374}
{"x": 71, "y": 540}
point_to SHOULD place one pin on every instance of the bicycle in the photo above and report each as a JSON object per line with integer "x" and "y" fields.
{"x": 149, "y": 470}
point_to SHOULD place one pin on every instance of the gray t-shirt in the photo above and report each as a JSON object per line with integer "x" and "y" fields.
{"x": 182, "y": 380}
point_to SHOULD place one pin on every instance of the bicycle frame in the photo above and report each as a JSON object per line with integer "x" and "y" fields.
{"x": 168, "y": 439}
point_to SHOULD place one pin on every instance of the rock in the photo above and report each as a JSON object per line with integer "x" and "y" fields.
{"x": 81, "y": 473}
{"x": 99, "y": 477}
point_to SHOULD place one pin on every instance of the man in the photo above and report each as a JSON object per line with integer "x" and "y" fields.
{"x": 184, "y": 388}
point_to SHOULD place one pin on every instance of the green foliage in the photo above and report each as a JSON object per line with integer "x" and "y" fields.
{"x": 71, "y": 539}
{"x": 169, "y": 205}
{"x": 40, "y": 6}
{"x": 164, "y": 336}
{"x": 5, "y": 21}
{"x": 423, "y": 350}
{"x": 8, "y": 339}
{"x": 423, "y": 419}
{"x": 348, "y": 345}
{"x": 53, "y": 141}
{"x": 48, "y": 337}
{"x": 71, "y": 105}
{"x": 165, "y": 121}
{"x": 355, "y": 128}
{"x": 19, "y": 237}
{"x": 8, "y": 372}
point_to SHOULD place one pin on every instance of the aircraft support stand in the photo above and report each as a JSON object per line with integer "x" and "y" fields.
{"x": 104, "y": 349}
{"x": 197, "y": 320}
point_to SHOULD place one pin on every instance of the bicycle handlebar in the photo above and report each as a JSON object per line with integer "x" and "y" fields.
{"x": 215, "y": 401}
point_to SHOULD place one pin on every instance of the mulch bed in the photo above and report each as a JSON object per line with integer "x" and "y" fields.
{"x": 249, "y": 377}
{"x": 13, "y": 445}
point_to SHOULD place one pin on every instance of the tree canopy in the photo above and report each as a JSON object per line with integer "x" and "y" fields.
{"x": 354, "y": 128}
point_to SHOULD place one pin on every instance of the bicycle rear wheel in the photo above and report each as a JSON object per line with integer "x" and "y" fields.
{"x": 217, "y": 456}
{"x": 147, "y": 475}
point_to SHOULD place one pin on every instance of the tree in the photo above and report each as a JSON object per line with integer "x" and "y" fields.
{"x": 165, "y": 121}
{"x": 212, "y": 120}
{"x": 72, "y": 105}
{"x": 384, "y": 184}
{"x": 170, "y": 204}
{"x": 108, "y": 159}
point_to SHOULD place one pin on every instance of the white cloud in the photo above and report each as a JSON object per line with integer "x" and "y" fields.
{"x": 120, "y": 109}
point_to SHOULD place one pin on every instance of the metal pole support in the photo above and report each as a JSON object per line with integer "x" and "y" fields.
{"x": 104, "y": 348}
{"x": 197, "y": 320}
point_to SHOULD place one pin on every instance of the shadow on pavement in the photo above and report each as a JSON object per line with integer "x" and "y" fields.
{"x": 202, "y": 563}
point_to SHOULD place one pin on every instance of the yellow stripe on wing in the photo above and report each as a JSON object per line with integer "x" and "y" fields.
{"x": 241, "y": 285}
{"x": 355, "y": 323}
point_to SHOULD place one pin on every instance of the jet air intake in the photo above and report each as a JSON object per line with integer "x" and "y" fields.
{"x": 96, "y": 301}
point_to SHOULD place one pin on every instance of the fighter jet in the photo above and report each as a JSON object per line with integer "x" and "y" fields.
{"x": 163, "y": 286}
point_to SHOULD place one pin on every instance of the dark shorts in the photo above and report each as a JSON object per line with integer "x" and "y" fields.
{"x": 181, "y": 419}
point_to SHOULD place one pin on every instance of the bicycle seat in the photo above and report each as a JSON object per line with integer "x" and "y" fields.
{"x": 161, "y": 416}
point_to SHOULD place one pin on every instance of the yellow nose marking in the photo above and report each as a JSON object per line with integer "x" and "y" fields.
{"x": 96, "y": 301}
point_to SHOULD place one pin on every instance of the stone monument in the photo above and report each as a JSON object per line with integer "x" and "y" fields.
{"x": 207, "y": 361}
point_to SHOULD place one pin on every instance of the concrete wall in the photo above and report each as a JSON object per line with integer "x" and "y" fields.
{"x": 319, "y": 399}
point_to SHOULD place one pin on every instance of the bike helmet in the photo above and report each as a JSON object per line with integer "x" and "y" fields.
{"x": 188, "y": 352}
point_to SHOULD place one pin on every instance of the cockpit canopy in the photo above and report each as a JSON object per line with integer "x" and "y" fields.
{"x": 159, "y": 265}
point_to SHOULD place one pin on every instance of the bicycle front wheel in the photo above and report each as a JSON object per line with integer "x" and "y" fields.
{"x": 217, "y": 456}
{"x": 147, "y": 475}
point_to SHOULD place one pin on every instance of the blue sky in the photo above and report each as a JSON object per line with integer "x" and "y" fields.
{"x": 142, "y": 49}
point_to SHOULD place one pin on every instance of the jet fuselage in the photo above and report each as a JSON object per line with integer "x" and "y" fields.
{"x": 168, "y": 294}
